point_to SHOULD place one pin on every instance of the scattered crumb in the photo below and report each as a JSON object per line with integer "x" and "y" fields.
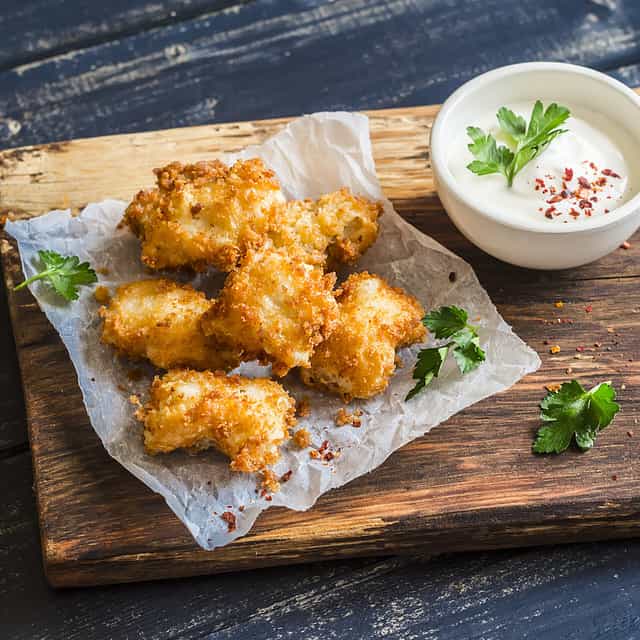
{"x": 452, "y": 276}
{"x": 630, "y": 433}
{"x": 398, "y": 362}
{"x": 230, "y": 519}
{"x": 623, "y": 387}
{"x": 588, "y": 308}
{"x": 610, "y": 330}
{"x": 285, "y": 477}
{"x": 625, "y": 245}
{"x": 344, "y": 417}
{"x": 552, "y": 388}
{"x": 241, "y": 508}
{"x": 614, "y": 476}
{"x": 555, "y": 349}
{"x": 568, "y": 370}
{"x": 270, "y": 481}
{"x": 302, "y": 438}
{"x": 102, "y": 295}
{"x": 303, "y": 408}
{"x": 314, "y": 454}
{"x": 559, "y": 304}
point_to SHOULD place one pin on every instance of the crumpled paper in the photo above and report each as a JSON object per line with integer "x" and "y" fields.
{"x": 313, "y": 155}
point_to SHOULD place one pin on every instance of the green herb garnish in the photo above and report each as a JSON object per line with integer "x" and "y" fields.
{"x": 64, "y": 273}
{"x": 527, "y": 142}
{"x": 447, "y": 323}
{"x": 572, "y": 412}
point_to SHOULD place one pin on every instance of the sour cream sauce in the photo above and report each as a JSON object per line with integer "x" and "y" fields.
{"x": 584, "y": 173}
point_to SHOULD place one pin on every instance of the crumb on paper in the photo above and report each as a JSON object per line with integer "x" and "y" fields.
{"x": 285, "y": 477}
{"x": 343, "y": 417}
{"x": 102, "y": 294}
{"x": 588, "y": 308}
{"x": 230, "y": 519}
{"x": 555, "y": 349}
{"x": 270, "y": 481}
{"x": 626, "y": 245}
{"x": 302, "y": 438}
{"x": 303, "y": 408}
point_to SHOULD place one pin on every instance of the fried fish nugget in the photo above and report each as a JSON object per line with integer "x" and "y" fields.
{"x": 275, "y": 307}
{"x": 160, "y": 320}
{"x": 205, "y": 213}
{"x": 358, "y": 358}
{"x": 246, "y": 419}
{"x": 339, "y": 224}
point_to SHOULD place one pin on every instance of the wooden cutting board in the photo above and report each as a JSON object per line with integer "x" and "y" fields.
{"x": 472, "y": 483}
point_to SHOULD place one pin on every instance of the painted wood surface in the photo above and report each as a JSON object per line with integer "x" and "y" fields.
{"x": 472, "y": 483}
{"x": 580, "y": 591}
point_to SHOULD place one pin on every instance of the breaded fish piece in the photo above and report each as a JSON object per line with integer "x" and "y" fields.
{"x": 358, "y": 358}
{"x": 160, "y": 320}
{"x": 246, "y": 419}
{"x": 205, "y": 213}
{"x": 275, "y": 307}
{"x": 339, "y": 225}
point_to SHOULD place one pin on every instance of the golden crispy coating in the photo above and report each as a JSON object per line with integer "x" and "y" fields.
{"x": 207, "y": 214}
{"x": 204, "y": 214}
{"x": 339, "y": 224}
{"x": 358, "y": 358}
{"x": 246, "y": 419}
{"x": 275, "y": 307}
{"x": 160, "y": 320}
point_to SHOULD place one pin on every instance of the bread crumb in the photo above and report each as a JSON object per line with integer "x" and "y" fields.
{"x": 102, "y": 295}
{"x": 344, "y": 417}
{"x": 270, "y": 481}
{"x": 555, "y": 349}
{"x": 230, "y": 519}
{"x": 302, "y": 438}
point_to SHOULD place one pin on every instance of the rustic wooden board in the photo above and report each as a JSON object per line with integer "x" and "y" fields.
{"x": 472, "y": 483}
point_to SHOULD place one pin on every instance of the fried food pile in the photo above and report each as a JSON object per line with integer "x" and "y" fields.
{"x": 278, "y": 305}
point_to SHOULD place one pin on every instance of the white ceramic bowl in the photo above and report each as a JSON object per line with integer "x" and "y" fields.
{"x": 500, "y": 233}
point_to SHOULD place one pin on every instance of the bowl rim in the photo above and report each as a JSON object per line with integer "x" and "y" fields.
{"x": 438, "y": 148}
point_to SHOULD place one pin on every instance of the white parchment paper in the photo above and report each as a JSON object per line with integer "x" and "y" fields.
{"x": 313, "y": 155}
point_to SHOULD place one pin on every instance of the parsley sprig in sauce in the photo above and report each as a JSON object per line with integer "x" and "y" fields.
{"x": 526, "y": 142}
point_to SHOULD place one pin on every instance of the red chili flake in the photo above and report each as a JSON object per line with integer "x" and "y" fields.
{"x": 584, "y": 183}
{"x": 285, "y": 476}
{"x": 548, "y": 213}
{"x": 568, "y": 174}
{"x": 589, "y": 308}
{"x": 601, "y": 181}
{"x": 594, "y": 198}
{"x": 574, "y": 213}
{"x": 268, "y": 498}
{"x": 241, "y": 508}
{"x": 552, "y": 190}
{"x": 614, "y": 476}
{"x": 585, "y": 204}
{"x": 626, "y": 245}
{"x": 580, "y": 348}
{"x": 324, "y": 446}
{"x": 609, "y": 172}
{"x": 593, "y": 166}
{"x": 606, "y": 210}
{"x": 328, "y": 457}
{"x": 230, "y": 519}
{"x": 564, "y": 193}
{"x": 557, "y": 198}
{"x": 539, "y": 182}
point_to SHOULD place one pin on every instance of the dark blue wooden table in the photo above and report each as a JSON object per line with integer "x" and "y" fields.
{"x": 74, "y": 69}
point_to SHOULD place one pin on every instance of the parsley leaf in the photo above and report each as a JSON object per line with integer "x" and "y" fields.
{"x": 529, "y": 140}
{"x": 572, "y": 412}
{"x": 64, "y": 273}
{"x": 447, "y": 322}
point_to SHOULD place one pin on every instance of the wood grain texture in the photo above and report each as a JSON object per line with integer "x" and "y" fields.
{"x": 471, "y": 484}
{"x": 285, "y": 57}
{"x": 34, "y": 29}
{"x": 571, "y": 592}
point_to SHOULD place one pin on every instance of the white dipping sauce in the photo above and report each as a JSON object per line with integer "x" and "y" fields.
{"x": 586, "y": 172}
